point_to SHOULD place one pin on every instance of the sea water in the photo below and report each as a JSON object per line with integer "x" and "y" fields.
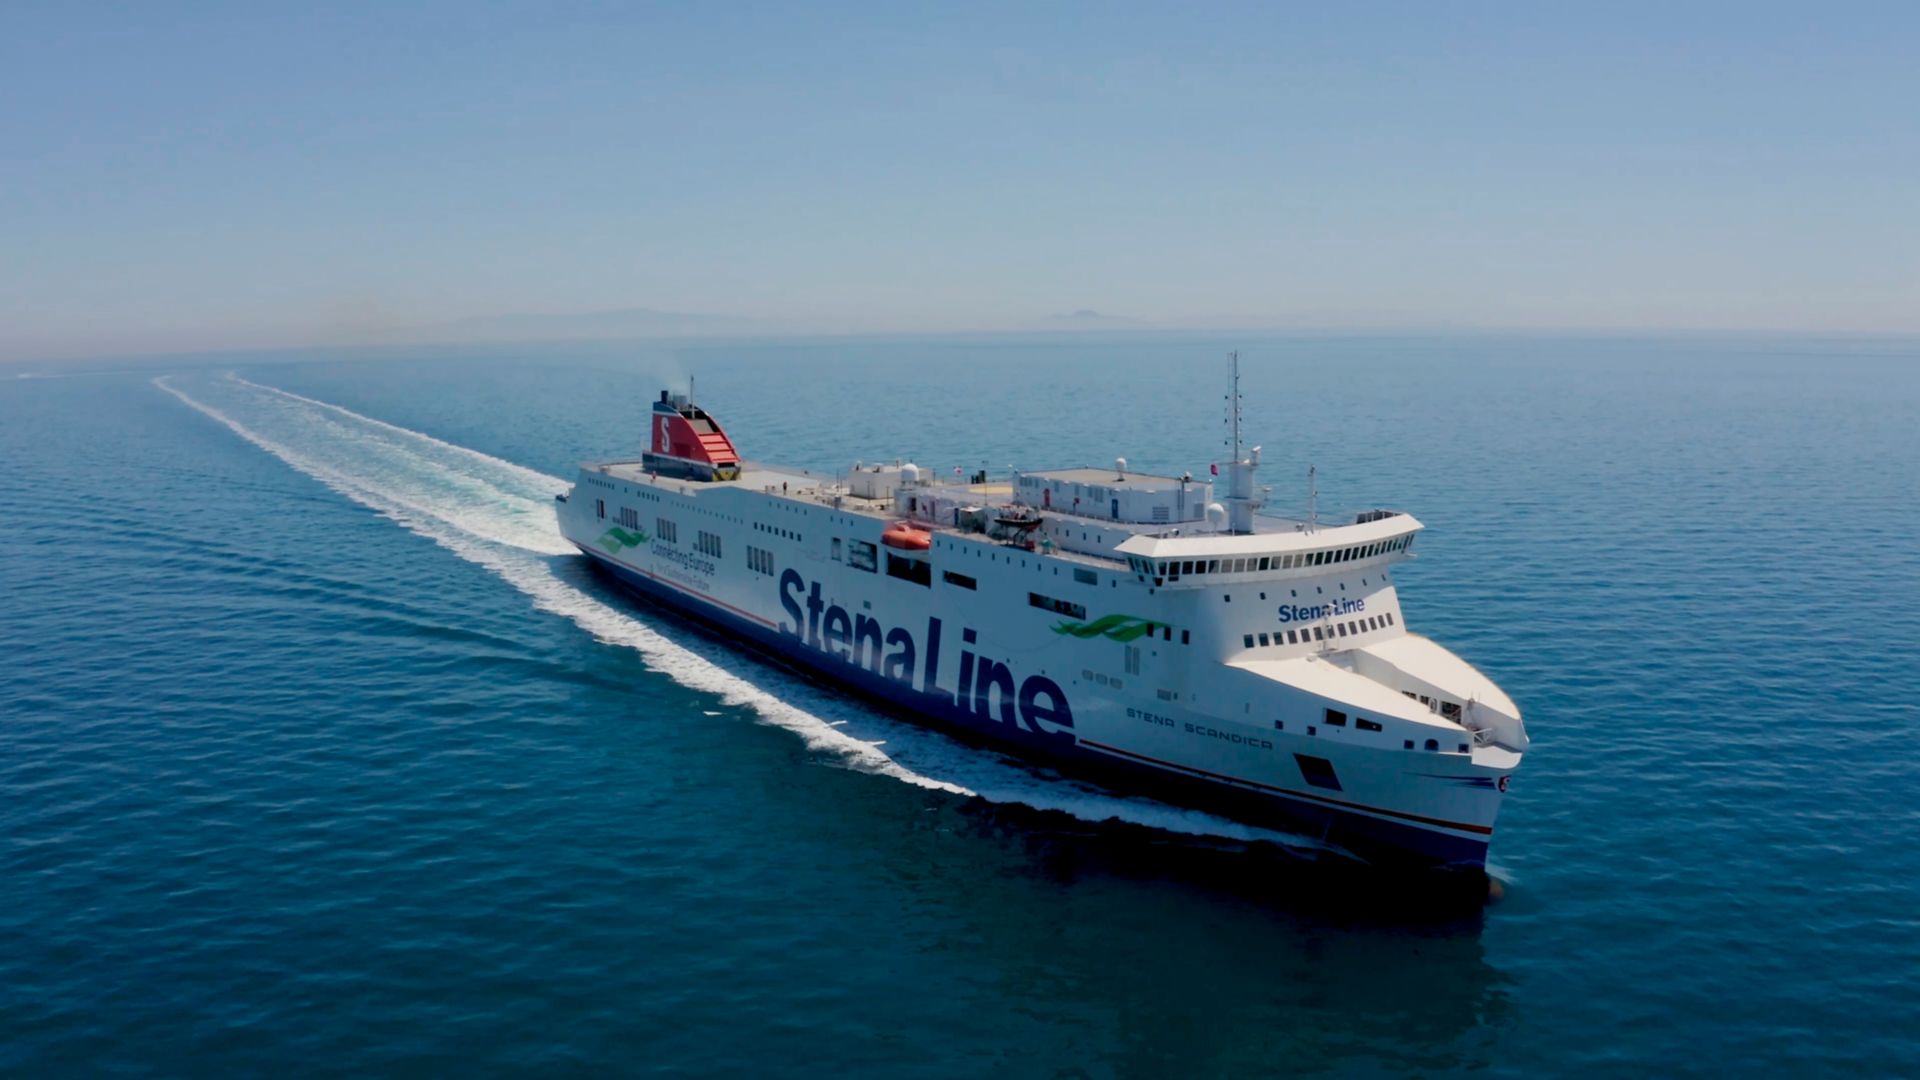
{"x": 319, "y": 753}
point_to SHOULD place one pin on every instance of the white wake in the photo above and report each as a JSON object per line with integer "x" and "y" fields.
{"x": 500, "y": 516}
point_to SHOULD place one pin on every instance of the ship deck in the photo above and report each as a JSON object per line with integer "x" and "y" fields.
{"x": 829, "y": 489}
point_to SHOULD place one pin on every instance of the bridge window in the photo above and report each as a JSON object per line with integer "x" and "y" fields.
{"x": 1246, "y": 641}
{"x": 1263, "y": 641}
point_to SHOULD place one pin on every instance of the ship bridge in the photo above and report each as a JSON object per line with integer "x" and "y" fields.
{"x": 1206, "y": 558}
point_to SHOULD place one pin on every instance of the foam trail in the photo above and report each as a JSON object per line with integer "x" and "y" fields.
{"x": 499, "y": 515}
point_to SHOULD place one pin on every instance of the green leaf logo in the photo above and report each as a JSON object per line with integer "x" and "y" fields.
{"x": 1112, "y": 627}
{"x": 616, "y": 538}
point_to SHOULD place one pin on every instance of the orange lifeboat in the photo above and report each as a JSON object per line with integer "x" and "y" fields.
{"x": 907, "y": 536}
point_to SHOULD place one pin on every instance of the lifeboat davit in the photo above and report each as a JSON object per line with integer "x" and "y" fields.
{"x": 907, "y": 537}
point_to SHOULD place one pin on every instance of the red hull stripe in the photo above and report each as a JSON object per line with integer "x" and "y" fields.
{"x": 1482, "y": 829}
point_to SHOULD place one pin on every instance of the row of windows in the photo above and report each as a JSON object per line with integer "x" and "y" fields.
{"x": 788, "y": 534}
{"x": 1448, "y": 709}
{"x": 707, "y": 543}
{"x": 666, "y": 531}
{"x": 1174, "y": 569}
{"x": 1336, "y": 718}
{"x": 1309, "y": 634}
{"x": 758, "y": 561}
{"x": 629, "y": 517}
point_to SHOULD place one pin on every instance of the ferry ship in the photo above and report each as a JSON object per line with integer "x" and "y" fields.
{"x": 1122, "y": 626}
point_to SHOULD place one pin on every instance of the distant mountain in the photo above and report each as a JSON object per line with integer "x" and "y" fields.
{"x": 1090, "y": 317}
{"x": 619, "y": 323}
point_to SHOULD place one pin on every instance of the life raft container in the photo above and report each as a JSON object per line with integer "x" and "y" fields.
{"x": 907, "y": 537}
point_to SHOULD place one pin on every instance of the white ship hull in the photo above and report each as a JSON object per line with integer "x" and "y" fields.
{"x": 1368, "y": 737}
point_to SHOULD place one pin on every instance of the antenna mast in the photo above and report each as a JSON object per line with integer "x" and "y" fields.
{"x": 1233, "y": 403}
{"x": 1313, "y": 498}
{"x": 1240, "y": 498}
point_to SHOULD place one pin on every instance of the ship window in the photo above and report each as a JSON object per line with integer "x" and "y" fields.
{"x": 1293, "y": 637}
{"x": 1389, "y": 618}
{"x": 1408, "y": 745}
{"x": 1264, "y": 642}
{"x": 600, "y": 507}
{"x": 1085, "y": 577}
{"x": 707, "y": 543}
{"x": 1336, "y": 718}
{"x": 1364, "y": 724}
{"x": 666, "y": 530}
{"x": 1187, "y": 566}
{"x": 1213, "y": 566}
{"x": 1279, "y": 725}
{"x": 1186, "y": 637}
{"x": 1261, "y": 564}
{"x": 906, "y": 569}
{"x": 836, "y": 549}
{"x": 1341, "y": 628}
{"x": 1246, "y": 641}
{"x": 1317, "y": 771}
{"x": 1317, "y": 635}
{"x": 961, "y": 580}
{"x": 862, "y": 555}
{"x": 1433, "y": 744}
{"x": 1063, "y": 607}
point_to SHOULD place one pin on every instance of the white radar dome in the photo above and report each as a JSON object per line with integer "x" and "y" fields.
{"x": 1216, "y": 516}
{"x": 909, "y": 473}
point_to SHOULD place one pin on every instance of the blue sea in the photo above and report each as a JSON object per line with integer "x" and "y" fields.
{"x": 320, "y": 754}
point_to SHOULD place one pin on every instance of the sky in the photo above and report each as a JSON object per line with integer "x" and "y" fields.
{"x": 178, "y": 176}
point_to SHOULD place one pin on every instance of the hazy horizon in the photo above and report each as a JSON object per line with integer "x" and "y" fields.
{"x": 224, "y": 177}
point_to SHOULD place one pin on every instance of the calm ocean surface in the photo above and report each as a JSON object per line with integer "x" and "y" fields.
{"x": 319, "y": 754}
